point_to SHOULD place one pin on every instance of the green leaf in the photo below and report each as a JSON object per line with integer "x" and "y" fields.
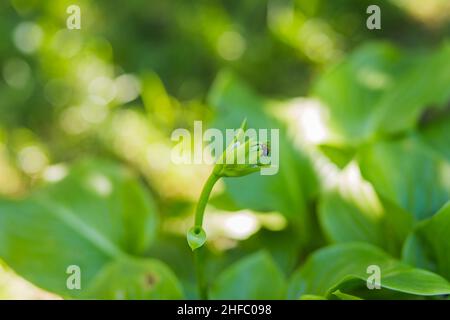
{"x": 344, "y": 296}
{"x": 415, "y": 253}
{"x": 254, "y": 277}
{"x": 283, "y": 246}
{"x": 311, "y": 297}
{"x": 437, "y": 135}
{"x": 424, "y": 85}
{"x": 351, "y": 90}
{"x": 379, "y": 90}
{"x": 96, "y": 215}
{"x": 343, "y": 221}
{"x": 344, "y": 267}
{"x": 135, "y": 279}
{"x": 124, "y": 210}
{"x": 353, "y": 212}
{"x": 429, "y": 246}
{"x": 338, "y": 155}
{"x": 173, "y": 251}
{"x": 408, "y": 174}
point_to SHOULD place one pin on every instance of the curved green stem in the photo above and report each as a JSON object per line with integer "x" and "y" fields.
{"x": 199, "y": 252}
{"x": 204, "y": 196}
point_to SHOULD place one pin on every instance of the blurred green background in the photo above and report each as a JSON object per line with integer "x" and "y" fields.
{"x": 364, "y": 119}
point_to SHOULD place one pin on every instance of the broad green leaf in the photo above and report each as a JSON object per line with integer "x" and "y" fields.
{"x": 116, "y": 197}
{"x": 173, "y": 251}
{"x": 97, "y": 214}
{"x": 135, "y": 279}
{"x": 353, "y": 212}
{"x": 293, "y": 186}
{"x": 351, "y": 90}
{"x": 437, "y": 135}
{"x": 311, "y": 297}
{"x": 253, "y": 277}
{"x": 415, "y": 253}
{"x": 379, "y": 90}
{"x": 40, "y": 243}
{"x": 283, "y": 246}
{"x": 408, "y": 174}
{"x": 397, "y": 225}
{"x": 344, "y": 266}
{"x": 343, "y": 221}
{"x": 429, "y": 246}
{"x": 423, "y": 85}
{"x": 344, "y": 296}
{"x": 338, "y": 155}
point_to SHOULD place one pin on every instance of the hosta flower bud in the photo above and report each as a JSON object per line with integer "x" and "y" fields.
{"x": 242, "y": 156}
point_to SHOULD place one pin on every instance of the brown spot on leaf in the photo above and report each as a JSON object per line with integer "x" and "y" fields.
{"x": 150, "y": 280}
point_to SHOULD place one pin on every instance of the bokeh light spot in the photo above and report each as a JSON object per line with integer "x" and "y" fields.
{"x": 231, "y": 45}
{"x": 28, "y": 37}
{"x": 17, "y": 73}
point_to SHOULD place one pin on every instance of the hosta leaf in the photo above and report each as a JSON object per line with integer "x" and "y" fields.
{"x": 429, "y": 246}
{"x": 135, "y": 279}
{"x": 97, "y": 214}
{"x": 311, "y": 297}
{"x": 338, "y": 155}
{"x": 424, "y": 85}
{"x": 344, "y": 296}
{"x": 415, "y": 253}
{"x": 344, "y": 267}
{"x": 253, "y": 277}
{"x": 283, "y": 247}
{"x": 408, "y": 174}
{"x": 172, "y": 250}
{"x": 124, "y": 211}
{"x": 437, "y": 135}
{"x": 352, "y": 212}
{"x": 351, "y": 90}
{"x": 379, "y": 90}
{"x": 344, "y": 221}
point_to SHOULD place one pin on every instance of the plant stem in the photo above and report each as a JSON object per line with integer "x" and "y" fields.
{"x": 199, "y": 266}
{"x": 199, "y": 253}
{"x": 204, "y": 196}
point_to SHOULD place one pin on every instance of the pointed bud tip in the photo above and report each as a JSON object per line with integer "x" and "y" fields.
{"x": 244, "y": 124}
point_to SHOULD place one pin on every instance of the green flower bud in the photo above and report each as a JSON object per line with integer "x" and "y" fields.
{"x": 242, "y": 156}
